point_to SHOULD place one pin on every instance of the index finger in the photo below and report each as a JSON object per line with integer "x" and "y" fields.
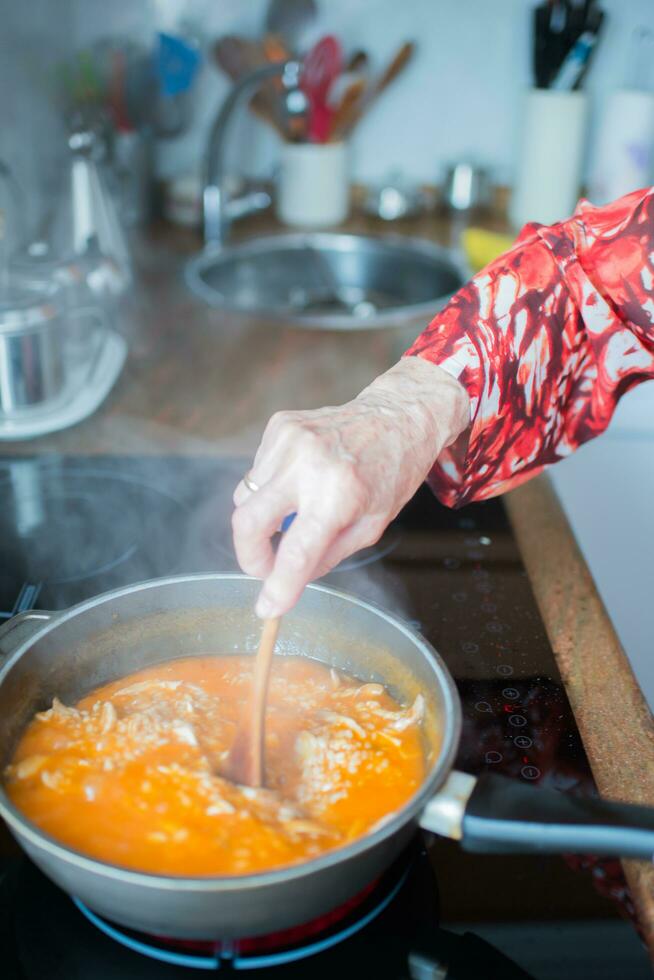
{"x": 254, "y": 523}
{"x": 299, "y": 554}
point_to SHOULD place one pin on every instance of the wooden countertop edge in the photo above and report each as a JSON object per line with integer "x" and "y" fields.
{"x": 596, "y": 672}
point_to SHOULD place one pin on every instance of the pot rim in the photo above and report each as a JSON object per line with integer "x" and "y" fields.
{"x": 451, "y": 730}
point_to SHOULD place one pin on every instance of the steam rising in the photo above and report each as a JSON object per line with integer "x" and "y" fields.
{"x": 77, "y": 527}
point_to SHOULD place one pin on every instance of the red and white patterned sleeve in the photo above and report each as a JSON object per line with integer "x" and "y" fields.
{"x": 546, "y": 339}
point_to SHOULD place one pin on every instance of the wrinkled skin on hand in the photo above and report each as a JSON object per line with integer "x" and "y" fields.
{"x": 346, "y": 472}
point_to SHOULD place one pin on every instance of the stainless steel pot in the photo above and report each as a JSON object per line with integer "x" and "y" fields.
{"x": 43, "y": 337}
{"x": 71, "y": 652}
{"x": 466, "y": 186}
{"x": 31, "y": 347}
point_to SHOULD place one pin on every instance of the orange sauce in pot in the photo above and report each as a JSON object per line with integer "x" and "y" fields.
{"x": 130, "y": 775}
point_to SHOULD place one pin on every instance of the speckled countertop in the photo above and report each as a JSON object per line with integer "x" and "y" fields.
{"x": 615, "y": 722}
{"x": 198, "y": 381}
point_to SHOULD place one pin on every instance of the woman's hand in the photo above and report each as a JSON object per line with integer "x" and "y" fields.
{"x": 346, "y": 472}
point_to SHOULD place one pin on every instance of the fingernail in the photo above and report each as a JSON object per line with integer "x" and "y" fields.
{"x": 265, "y": 609}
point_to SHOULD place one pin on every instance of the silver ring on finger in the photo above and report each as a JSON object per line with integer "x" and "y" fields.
{"x": 250, "y": 484}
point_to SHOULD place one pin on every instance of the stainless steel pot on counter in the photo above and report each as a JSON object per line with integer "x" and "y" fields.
{"x": 41, "y": 340}
{"x": 68, "y": 653}
{"x": 466, "y": 187}
{"x": 31, "y": 347}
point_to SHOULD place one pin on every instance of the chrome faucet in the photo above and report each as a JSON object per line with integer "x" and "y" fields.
{"x": 218, "y": 211}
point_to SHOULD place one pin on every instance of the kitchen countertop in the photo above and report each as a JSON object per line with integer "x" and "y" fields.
{"x": 614, "y": 719}
{"x": 199, "y": 381}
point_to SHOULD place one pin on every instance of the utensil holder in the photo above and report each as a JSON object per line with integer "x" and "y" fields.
{"x": 550, "y": 157}
{"x": 313, "y": 188}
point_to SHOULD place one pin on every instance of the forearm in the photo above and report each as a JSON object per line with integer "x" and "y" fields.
{"x": 545, "y": 341}
{"x": 434, "y": 405}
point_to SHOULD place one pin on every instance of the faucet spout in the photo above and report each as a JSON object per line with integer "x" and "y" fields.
{"x": 215, "y": 214}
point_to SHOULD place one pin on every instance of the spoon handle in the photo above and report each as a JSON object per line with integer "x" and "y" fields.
{"x": 245, "y": 762}
{"x": 259, "y": 695}
{"x": 286, "y": 523}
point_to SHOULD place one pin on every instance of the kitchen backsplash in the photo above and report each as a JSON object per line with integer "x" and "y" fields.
{"x": 460, "y": 96}
{"x": 32, "y": 43}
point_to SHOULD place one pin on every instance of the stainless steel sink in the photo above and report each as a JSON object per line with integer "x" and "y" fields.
{"x": 328, "y": 281}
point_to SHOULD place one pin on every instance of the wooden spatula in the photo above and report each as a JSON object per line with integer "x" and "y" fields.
{"x": 395, "y": 67}
{"x": 245, "y": 763}
{"x": 347, "y": 109}
{"x": 238, "y": 56}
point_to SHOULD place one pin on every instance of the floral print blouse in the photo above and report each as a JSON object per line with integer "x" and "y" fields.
{"x": 546, "y": 339}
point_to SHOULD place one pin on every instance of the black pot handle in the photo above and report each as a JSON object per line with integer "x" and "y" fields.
{"x": 495, "y": 814}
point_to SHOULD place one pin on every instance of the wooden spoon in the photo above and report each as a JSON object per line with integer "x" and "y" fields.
{"x": 358, "y": 61}
{"x": 238, "y": 56}
{"x": 397, "y": 64}
{"x": 347, "y": 109}
{"x": 290, "y": 18}
{"x": 245, "y": 763}
{"x": 275, "y": 50}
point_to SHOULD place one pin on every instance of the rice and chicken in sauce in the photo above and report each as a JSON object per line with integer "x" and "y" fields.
{"x": 129, "y": 775}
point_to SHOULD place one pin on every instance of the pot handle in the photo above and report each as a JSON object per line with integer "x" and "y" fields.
{"x": 19, "y": 628}
{"x": 495, "y": 814}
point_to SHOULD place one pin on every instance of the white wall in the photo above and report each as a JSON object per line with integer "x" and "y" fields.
{"x": 460, "y": 96}
{"x": 32, "y": 137}
{"x": 607, "y": 491}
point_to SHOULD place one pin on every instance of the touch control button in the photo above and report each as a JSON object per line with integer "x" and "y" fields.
{"x": 484, "y": 707}
{"x": 493, "y": 757}
{"x": 523, "y": 741}
{"x": 495, "y": 627}
{"x": 510, "y": 693}
{"x": 530, "y": 772}
{"x": 505, "y": 670}
{"x": 517, "y": 721}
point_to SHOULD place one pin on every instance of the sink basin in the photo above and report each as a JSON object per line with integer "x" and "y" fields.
{"x": 329, "y": 281}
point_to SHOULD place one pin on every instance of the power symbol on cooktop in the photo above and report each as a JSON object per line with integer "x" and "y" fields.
{"x": 494, "y": 627}
{"x": 493, "y": 757}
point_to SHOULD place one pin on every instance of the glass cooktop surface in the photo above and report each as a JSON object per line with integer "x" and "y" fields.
{"x": 74, "y": 527}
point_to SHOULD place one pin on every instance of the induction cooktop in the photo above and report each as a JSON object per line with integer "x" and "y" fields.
{"x": 73, "y": 527}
